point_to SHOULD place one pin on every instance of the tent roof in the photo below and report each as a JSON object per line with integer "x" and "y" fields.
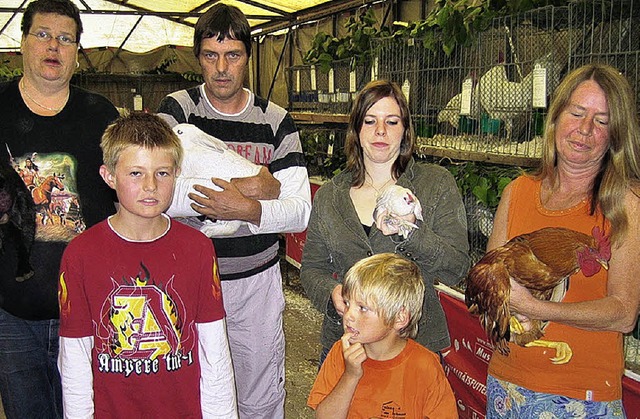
{"x": 142, "y": 25}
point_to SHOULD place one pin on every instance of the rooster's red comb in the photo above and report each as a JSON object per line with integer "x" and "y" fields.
{"x": 603, "y": 242}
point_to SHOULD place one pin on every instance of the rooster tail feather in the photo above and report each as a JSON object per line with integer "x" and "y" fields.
{"x": 501, "y": 332}
{"x": 487, "y": 294}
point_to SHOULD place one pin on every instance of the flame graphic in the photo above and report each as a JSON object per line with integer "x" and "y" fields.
{"x": 63, "y": 297}
{"x": 215, "y": 287}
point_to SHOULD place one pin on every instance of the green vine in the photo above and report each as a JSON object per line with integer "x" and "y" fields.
{"x": 163, "y": 67}
{"x": 485, "y": 181}
{"x": 7, "y": 73}
{"x": 192, "y": 76}
{"x": 316, "y": 145}
{"x": 453, "y": 23}
{"x": 356, "y": 45}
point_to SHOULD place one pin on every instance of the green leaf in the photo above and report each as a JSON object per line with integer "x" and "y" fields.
{"x": 503, "y": 181}
{"x": 481, "y": 193}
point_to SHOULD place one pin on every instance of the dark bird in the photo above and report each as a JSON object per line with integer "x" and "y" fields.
{"x": 17, "y": 219}
{"x": 542, "y": 262}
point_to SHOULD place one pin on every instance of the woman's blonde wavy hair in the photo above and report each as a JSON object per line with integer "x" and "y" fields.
{"x": 619, "y": 170}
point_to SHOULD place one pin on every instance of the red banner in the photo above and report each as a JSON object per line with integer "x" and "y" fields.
{"x": 467, "y": 359}
{"x": 631, "y": 397}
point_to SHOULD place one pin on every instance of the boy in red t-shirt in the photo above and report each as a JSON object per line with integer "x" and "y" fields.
{"x": 376, "y": 369}
{"x": 142, "y": 325}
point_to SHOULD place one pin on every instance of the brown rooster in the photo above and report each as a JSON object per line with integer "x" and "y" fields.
{"x": 541, "y": 261}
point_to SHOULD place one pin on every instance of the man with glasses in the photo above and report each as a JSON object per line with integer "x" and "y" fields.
{"x": 49, "y": 124}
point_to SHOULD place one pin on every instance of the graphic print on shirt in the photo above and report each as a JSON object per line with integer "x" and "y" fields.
{"x": 141, "y": 330}
{"x": 51, "y": 179}
{"x": 392, "y": 410}
{"x": 261, "y": 154}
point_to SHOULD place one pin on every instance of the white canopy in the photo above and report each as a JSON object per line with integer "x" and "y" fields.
{"x": 143, "y": 25}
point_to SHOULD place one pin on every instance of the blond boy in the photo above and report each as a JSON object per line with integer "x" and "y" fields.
{"x": 377, "y": 369}
{"x": 142, "y": 329}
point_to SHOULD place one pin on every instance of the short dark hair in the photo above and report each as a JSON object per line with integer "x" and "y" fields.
{"x": 222, "y": 21}
{"x": 59, "y": 7}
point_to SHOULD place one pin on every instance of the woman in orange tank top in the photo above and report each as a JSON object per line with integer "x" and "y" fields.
{"x": 589, "y": 176}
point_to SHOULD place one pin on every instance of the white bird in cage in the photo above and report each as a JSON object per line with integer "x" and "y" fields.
{"x": 451, "y": 112}
{"x": 505, "y": 100}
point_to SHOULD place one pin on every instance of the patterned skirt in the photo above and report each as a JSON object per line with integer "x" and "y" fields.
{"x": 509, "y": 401}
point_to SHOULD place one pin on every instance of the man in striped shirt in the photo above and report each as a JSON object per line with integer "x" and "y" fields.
{"x": 277, "y": 200}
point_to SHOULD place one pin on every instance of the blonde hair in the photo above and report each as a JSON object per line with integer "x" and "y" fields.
{"x": 619, "y": 168}
{"x": 390, "y": 284}
{"x": 140, "y": 129}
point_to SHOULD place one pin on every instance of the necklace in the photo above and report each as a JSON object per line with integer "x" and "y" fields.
{"x": 380, "y": 189}
{"x": 56, "y": 110}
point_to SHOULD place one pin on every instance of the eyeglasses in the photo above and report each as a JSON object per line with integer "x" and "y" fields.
{"x": 44, "y": 36}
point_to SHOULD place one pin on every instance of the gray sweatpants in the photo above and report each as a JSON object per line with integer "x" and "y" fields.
{"x": 254, "y": 308}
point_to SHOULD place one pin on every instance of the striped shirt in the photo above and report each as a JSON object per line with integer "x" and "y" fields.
{"x": 265, "y": 134}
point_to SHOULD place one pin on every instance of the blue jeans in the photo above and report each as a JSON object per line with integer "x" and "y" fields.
{"x": 29, "y": 378}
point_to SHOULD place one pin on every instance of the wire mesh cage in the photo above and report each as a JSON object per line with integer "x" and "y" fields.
{"x": 512, "y": 93}
{"x": 332, "y": 92}
{"x": 426, "y": 78}
{"x": 607, "y": 32}
{"x": 479, "y": 226}
{"x": 486, "y": 99}
{"x": 323, "y": 148}
{"x": 632, "y": 350}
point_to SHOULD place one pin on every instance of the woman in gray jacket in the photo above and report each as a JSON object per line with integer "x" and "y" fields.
{"x": 379, "y": 147}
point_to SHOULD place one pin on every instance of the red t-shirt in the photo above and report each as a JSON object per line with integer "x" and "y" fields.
{"x": 141, "y": 301}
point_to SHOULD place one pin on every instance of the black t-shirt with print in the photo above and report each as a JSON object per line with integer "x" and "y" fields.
{"x": 58, "y": 158}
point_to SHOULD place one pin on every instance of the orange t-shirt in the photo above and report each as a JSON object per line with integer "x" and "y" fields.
{"x": 411, "y": 385}
{"x": 596, "y": 368}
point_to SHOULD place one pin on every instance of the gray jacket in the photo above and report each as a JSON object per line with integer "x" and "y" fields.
{"x": 336, "y": 240}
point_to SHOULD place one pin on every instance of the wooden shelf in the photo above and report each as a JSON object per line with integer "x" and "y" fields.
{"x": 481, "y": 156}
{"x": 319, "y": 118}
{"x": 487, "y": 156}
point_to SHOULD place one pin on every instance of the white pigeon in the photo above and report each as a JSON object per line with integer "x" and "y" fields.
{"x": 205, "y": 157}
{"x": 393, "y": 203}
{"x": 451, "y": 112}
{"x": 504, "y": 99}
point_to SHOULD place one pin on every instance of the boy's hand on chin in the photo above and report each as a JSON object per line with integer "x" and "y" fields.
{"x": 354, "y": 356}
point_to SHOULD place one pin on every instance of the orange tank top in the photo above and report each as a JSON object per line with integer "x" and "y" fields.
{"x": 596, "y": 368}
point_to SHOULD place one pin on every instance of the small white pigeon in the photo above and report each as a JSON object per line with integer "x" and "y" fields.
{"x": 393, "y": 203}
{"x": 205, "y": 157}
